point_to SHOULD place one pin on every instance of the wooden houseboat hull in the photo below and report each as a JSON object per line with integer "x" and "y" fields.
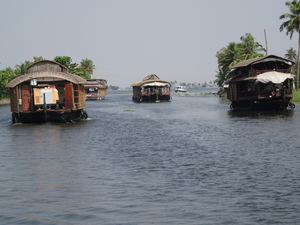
{"x": 58, "y": 116}
{"x": 152, "y": 98}
{"x": 263, "y": 104}
{"x": 94, "y": 98}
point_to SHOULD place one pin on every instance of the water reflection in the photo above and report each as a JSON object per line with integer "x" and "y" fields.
{"x": 270, "y": 115}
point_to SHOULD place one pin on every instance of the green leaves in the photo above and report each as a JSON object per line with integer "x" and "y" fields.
{"x": 85, "y": 69}
{"x": 234, "y": 53}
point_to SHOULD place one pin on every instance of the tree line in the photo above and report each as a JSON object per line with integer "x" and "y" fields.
{"x": 248, "y": 48}
{"x": 84, "y": 69}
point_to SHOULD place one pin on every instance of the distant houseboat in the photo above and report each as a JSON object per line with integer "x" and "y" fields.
{"x": 151, "y": 89}
{"x": 47, "y": 93}
{"x": 96, "y": 89}
{"x": 261, "y": 83}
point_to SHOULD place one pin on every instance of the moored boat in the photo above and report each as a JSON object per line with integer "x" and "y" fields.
{"x": 180, "y": 89}
{"x": 151, "y": 89}
{"x": 263, "y": 83}
{"x": 47, "y": 93}
{"x": 96, "y": 89}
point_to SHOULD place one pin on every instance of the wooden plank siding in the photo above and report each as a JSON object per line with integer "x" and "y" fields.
{"x": 26, "y": 97}
{"x": 69, "y": 96}
{"x": 14, "y": 100}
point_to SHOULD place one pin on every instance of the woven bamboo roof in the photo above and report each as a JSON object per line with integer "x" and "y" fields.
{"x": 46, "y": 60}
{"x": 46, "y": 74}
{"x": 255, "y": 60}
{"x": 149, "y": 79}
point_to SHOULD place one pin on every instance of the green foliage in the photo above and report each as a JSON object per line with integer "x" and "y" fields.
{"x": 85, "y": 69}
{"x": 234, "y": 53}
{"x": 22, "y": 68}
{"x": 37, "y": 58}
{"x": 67, "y": 62}
{"x": 292, "y": 25}
{"x": 296, "y": 96}
{"x": 5, "y": 76}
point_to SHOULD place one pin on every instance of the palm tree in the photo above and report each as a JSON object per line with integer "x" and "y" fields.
{"x": 291, "y": 54}
{"x": 22, "y": 69}
{"x": 228, "y": 56}
{"x": 249, "y": 46}
{"x": 292, "y": 25}
{"x": 87, "y": 65}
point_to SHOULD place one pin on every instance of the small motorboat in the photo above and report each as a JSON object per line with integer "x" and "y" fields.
{"x": 180, "y": 89}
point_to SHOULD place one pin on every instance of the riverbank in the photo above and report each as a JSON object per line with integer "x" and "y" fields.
{"x": 296, "y": 96}
{"x": 4, "y": 101}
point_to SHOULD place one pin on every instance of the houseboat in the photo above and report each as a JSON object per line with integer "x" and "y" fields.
{"x": 180, "y": 89}
{"x": 261, "y": 83}
{"x": 151, "y": 89}
{"x": 96, "y": 89}
{"x": 47, "y": 93}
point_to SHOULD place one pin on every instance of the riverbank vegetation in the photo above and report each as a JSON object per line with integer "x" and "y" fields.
{"x": 84, "y": 69}
{"x": 248, "y": 48}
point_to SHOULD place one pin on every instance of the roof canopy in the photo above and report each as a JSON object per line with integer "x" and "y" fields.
{"x": 267, "y": 58}
{"x": 151, "y": 80}
{"x": 274, "y": 77}
{"x": 46, "y": 74}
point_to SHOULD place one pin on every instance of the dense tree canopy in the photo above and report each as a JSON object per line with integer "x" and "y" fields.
{"x": 234, "y": 53}
{"x": 84, "y": 69}
{"x": 291, "y": 25}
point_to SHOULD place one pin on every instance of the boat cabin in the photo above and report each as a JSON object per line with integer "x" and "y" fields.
{"x": 47, "y": 93}
{"x": 151, "y": 89}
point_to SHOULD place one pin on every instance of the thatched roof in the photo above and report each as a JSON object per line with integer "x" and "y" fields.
{"x": 248, "y": 62}
{"x": 149, "y": 79}
{"x": 45, "y": 60}
{"x": 46, "y": 74}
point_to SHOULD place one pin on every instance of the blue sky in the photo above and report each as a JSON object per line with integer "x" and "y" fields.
{"x": 130, "y": 39}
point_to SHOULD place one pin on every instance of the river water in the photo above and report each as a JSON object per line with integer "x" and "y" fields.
{"x": 190, "y": 161}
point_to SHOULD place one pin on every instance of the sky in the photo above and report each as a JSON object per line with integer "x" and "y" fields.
{"x": 129, "y": 39}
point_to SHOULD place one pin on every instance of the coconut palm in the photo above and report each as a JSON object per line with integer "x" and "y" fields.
{"x": 228, "y": 56}
{"x": 249, "y": 46}
{"x": 87, "y": 65}
{"x": 292, "y": 25}
{"x": 291, "y": 54}
{"x": 22, "y": 68}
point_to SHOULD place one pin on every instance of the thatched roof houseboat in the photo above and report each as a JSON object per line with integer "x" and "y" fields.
{"x": 47, "y": 93}
{"x": 151, "y": 89}
{"x": 261, "y": 83}
{"x": 96, "y": 89}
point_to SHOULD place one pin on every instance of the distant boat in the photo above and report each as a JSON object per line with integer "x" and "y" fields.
{"x": 180, "y": 89}
{"x": 47, "y": 93}
{"x": 151, "y": 89}
{"x": 96, "y": 89}
{"x": 261, "y": 83}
